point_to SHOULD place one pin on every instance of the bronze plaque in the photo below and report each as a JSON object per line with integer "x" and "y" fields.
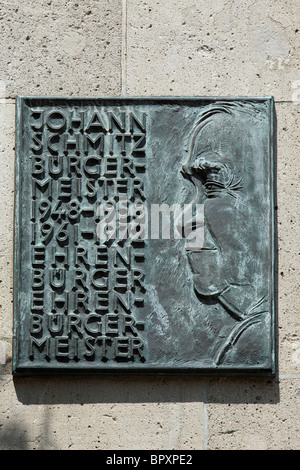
{"x": 144, "y": 235}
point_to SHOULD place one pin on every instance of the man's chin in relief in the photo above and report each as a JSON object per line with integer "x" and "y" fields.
{"x": 209, "y": 279}
{"x": 206, "y": 266}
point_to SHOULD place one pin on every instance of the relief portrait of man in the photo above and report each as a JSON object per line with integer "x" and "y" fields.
{"x": 228, "y": 166}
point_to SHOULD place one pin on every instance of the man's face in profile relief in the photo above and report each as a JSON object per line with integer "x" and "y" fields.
{"x": 221, "y": 169}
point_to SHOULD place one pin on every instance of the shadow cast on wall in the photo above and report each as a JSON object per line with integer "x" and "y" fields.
{"x": 83, "y": 390}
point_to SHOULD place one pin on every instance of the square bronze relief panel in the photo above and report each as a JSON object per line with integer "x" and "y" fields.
{"x": 144, "y": 235}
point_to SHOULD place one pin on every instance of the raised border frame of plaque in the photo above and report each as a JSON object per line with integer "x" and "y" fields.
{"x": 89, "y": 299}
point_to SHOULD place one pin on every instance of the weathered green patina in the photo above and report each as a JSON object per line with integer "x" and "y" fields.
{"x": 144, "y": 235}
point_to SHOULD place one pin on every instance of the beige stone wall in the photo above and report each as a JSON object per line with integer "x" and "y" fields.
{"x": 155, "y": 47}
